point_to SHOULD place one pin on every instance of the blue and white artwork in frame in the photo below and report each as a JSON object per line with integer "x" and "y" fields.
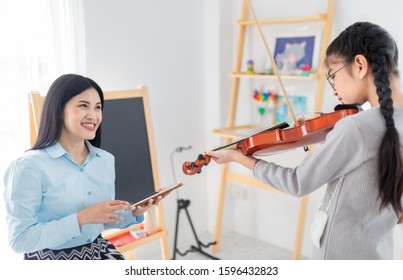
{"x": 294, "y": 54}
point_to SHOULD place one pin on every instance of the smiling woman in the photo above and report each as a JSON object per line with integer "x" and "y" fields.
{"x": 60, "y": 195}
{"x": 82, "y": 116}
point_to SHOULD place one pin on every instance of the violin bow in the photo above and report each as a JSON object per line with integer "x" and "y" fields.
{"x": 273, "y": 63}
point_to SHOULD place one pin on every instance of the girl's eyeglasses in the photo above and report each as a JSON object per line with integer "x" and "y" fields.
{"x": 331, "y": 77}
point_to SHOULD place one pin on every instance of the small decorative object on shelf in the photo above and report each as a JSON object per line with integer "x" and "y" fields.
{"x": 138, "y": 233}
{"x": 265, "y": 108}
{"x": 128, "y": 236}
{"x": 306, "y": 70}
{"x": 250, "y": 69}
{"x": 269, "y": 71}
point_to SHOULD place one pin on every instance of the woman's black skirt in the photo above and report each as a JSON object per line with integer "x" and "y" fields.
{"x": 99, "y": 249}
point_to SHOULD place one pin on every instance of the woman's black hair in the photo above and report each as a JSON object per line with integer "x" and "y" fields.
{"x": 60, "y": 92}
{"x": 379, "y": 48}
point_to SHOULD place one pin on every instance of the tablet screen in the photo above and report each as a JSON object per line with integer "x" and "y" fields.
{"x": 156, "y": 194}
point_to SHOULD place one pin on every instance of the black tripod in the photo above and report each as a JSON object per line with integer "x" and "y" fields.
{"x": 182, "y": 204}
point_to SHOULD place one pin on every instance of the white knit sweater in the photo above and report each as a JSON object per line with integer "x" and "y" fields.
{"x": 356, "y": 228}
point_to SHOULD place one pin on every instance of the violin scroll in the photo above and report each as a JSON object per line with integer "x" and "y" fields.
{"x": 191, "y": 168}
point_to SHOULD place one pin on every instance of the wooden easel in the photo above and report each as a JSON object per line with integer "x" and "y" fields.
{"x": 230, "y": 132}
{"x": 154, "y": 215}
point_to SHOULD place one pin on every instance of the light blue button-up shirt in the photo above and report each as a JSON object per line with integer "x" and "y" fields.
{"x": 44, "y": 190}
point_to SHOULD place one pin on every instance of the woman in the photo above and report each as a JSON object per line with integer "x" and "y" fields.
{"x": 59, "y": 195}
{"x": 361, "y": 160}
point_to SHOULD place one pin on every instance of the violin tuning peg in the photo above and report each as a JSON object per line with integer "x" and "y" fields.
{"x": 206, "y": 163}
{"x": 198, "y": 172}
{"x": 192, "y": 165}
{"x": 200, "y": 157}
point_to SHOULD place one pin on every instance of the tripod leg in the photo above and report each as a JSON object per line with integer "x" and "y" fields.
{"x": 193, "y": 229}
{"x": 176, "y": 228}
{"x": 182, "y": 205}
{"x": 199, "y": 243}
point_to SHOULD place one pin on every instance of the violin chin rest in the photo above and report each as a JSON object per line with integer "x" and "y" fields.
{"x": 347, "y": 106}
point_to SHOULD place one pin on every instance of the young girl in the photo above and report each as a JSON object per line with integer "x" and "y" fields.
{"x": 361, "y": 159}
{"x": 59, "y": 195}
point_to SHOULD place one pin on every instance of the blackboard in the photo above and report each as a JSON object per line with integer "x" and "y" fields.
{"x": 125, "y": 134}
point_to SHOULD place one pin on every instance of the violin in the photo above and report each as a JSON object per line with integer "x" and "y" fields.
{"x": 281, "y": 137}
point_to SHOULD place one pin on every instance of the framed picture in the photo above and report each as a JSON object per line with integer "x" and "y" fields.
{"x": 294, "y": 54}
{"x": 282, "y": 112}
{"x": 296, "y": 49}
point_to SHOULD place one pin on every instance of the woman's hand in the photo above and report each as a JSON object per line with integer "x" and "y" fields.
{"x": 103, "y": 212}
{"x": 142, "y": 209}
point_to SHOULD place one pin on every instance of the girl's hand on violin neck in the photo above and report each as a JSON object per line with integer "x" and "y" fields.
{"x": 103, "y": 212}
{"x": 224, "y": 156}
{"x": 300, "y": 121}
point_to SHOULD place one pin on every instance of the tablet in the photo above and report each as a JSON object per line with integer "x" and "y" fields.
{"x": 156, "y": 194}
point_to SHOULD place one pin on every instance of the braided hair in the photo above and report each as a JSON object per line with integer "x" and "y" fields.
{"x": 379, "y": 48}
